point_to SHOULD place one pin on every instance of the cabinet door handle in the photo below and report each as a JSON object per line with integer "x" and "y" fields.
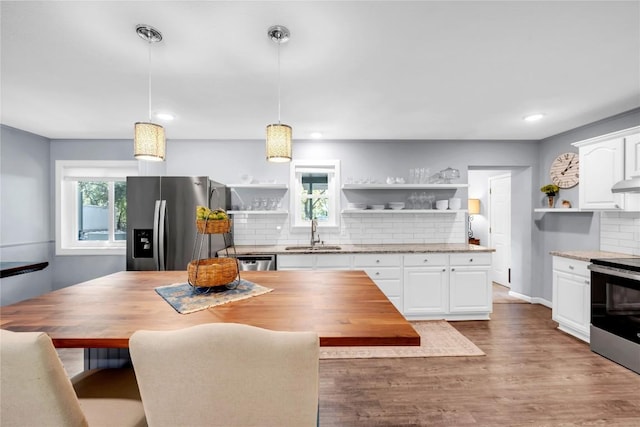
{"x": 444, "y": 269}
{"x": 425, "y": 260}
{"x": 377, "y": 273}
{"x": 571, "y": 267}
{"x": 586, "y": 282}
{"x": 470, "y": 259}
{"x": 377, "y": 261}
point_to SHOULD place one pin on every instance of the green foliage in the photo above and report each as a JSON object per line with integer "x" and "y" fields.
{"x": 550, "y": 189}
{"x": 95, "y": 193}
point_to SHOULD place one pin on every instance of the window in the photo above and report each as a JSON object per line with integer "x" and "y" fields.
{"x": 316, "y": 193}
{"x": 91, "y": 206}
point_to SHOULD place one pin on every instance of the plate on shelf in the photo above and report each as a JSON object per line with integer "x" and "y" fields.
{"x": 356, "y": 206}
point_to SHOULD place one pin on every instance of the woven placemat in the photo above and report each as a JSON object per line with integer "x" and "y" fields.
{"x": 185, "y": 299}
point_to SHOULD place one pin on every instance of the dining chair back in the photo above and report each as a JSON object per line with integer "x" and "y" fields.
{"x": 36, "y": 391}
{"x": 226, "y": 374}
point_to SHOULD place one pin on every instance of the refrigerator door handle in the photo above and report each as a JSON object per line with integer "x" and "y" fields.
{"x": 162, "y": 223}
{"x": 156, "y": 231}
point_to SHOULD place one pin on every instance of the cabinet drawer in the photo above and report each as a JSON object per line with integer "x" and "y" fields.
{"x": 571, "y": 266}
{"x": 333, "y": 261}
{"x": 384, "y": 273}
{"x": 295, "y": 261}
{"x": 427, "y": 259}
{"x": 470, "y": 258}
{"x": 376, "y": 260}
{"x": 391, "y": 288}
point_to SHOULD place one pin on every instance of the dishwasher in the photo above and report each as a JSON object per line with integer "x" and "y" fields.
{"x": 257, "y": 262}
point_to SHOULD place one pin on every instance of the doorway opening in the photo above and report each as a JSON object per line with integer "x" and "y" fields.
{"x": 514, "y": 214}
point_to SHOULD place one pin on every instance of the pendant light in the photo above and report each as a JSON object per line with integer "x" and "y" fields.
{"x": 149, "y": 139}
{"x": 278, "y": 135}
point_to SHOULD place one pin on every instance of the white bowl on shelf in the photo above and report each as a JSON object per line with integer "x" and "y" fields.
{"x": 442, "y": 204}
{"x": 455, "y": 203}
{"x": 396, "y": 205}
{"x": 377, "y": 207}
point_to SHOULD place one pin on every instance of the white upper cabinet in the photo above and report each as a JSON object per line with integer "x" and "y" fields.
{"x": 604, "y": 161}
{"x": 601, "y": 166}
{"x": 632, "y": 156}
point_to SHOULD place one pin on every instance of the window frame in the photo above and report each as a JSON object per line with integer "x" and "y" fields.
{"x": 296, "y": 169}
{"x": 68, "y": 173}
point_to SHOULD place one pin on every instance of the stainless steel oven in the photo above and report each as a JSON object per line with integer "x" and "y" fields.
{"x": 615, "y": 310}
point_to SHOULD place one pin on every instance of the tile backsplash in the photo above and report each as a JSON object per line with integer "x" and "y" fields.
{"x": 620, "y": 232}
{"x": 355, "y": 228}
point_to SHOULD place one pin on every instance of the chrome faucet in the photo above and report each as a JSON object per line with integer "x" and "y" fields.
{"x": 314, "y": 230}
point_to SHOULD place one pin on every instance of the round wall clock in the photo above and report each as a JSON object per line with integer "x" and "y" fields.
{"x": 564, "y": 171}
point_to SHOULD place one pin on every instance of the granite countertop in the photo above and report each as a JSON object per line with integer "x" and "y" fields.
{"x": 589, "y": 255}
{"x": 359, "y": 249}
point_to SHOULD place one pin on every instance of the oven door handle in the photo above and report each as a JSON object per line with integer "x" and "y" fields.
{"x": 614, "y": 272}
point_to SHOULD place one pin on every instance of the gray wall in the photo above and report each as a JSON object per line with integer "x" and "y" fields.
{"x": 25, "y": 212}
{"x": 569, "y": 231}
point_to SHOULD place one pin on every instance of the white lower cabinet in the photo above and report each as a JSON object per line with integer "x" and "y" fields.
{"x": 314, "y": 262}
{"x": 447, "y": 286}
{"x": 421, "y": 286}
{"x": 469, "y": 285}
{"x": 425, "y": 291}
{"x": 386, "y": 271}
{"x": 295, "y": 262}
{"x": 571, "y": 306}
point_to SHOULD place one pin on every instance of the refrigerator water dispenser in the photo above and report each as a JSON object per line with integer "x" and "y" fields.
{"x": 142, "y": 243}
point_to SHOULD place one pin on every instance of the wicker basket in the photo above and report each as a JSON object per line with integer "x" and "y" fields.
{"x": 212, "y": 271}
{"x": 213, "y": 226}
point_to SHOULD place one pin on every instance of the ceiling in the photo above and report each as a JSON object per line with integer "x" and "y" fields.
{"x": 352, "y": 70}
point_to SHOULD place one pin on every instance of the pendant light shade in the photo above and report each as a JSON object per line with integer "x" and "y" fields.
{"x": 148, "y": 139}
{"x": 278, "y": 143}
{"x": 278, "y": 146}
{"x": 149, "y": 142}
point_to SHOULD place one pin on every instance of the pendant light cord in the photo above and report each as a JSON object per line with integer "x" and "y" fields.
{"x": 149, "y": 82}
{"x": 279, "y": 43}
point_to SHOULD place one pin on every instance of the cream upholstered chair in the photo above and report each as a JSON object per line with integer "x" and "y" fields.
{"x": 226, "y": 374}
{"x": 35, "y": 389}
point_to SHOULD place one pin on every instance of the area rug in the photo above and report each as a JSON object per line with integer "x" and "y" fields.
{"x": 185, "y": 299}
{"x": 437, "y": 339}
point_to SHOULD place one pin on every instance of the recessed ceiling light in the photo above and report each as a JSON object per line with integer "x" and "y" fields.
{"x": 164, "y": 116}
{"x": 533, "y": 117}
{"x": 315, "y": 135}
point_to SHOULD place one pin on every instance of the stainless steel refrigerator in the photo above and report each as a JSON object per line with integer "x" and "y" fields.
{"x": 161, "y": 220}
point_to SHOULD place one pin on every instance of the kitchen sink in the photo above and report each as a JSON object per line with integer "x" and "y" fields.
{"x": 313, "y": 248}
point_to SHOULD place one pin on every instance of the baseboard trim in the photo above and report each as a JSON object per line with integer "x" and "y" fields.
{"x": 531, "y": 300}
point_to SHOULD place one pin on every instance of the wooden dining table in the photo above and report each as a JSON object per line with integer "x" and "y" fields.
{"x": 345, "y": 308}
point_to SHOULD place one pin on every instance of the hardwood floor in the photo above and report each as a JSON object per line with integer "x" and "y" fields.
{"x": 532, "y": 375}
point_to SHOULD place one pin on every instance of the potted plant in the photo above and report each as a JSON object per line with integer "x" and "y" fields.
{"x": 550, "y": 190}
